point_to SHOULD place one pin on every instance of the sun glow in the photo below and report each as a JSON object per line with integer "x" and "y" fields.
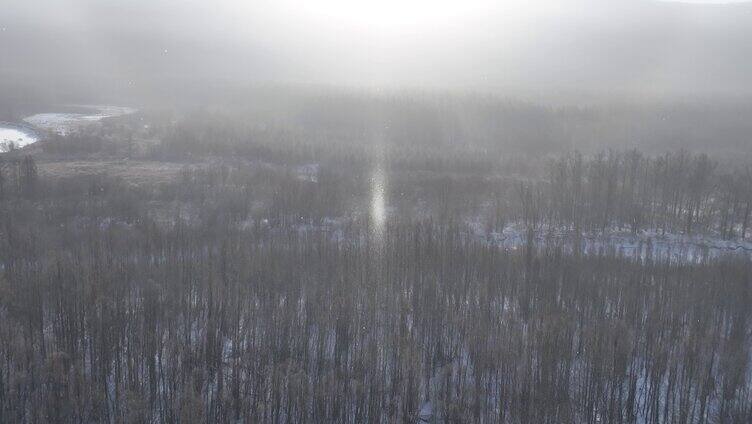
{"x": 400, "y": 15}
{"x": 378, "y": 203}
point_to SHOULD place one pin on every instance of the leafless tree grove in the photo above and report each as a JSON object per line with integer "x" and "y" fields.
{"x": 108, "y": 314}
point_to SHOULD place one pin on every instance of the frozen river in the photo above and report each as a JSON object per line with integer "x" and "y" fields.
{"x": 64, "y": 123}
{"x": 15, "y": 136}
{"x": 55, "y": 122}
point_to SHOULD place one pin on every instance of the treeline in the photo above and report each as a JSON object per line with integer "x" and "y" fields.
{"x": 18, "y": 176}
{"x": 495, "y": 124}
{"x": 111, "y": 313}
{"x": 676, "y": 192}
{"x": 679, "y": 192}
{"x": 459, "y": 123}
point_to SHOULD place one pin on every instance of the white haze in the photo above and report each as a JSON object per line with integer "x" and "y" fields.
{"x": 625, "y": 46}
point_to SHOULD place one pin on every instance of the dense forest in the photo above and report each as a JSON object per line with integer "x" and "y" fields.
{"x": 215, "y": 267}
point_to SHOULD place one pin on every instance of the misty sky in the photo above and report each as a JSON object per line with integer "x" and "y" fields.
{"x": 621, "y": 45}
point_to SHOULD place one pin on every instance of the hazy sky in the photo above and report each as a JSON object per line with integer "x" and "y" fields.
{"x": 619, "y": 45}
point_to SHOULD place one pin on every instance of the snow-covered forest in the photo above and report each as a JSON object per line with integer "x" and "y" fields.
{"x": 200, "y": 266}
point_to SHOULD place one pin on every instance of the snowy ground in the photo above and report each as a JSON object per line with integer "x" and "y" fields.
{"x": 643, "y": 244}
